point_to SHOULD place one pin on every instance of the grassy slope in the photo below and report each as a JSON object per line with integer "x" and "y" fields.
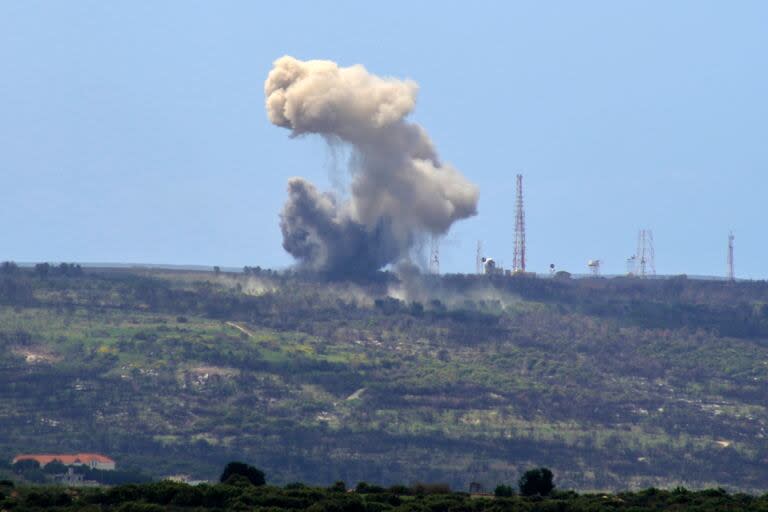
{"x": 611, "y": 385}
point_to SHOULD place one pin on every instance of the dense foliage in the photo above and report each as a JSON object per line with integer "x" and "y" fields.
{"x": 537, "y": 482}
{"x": 613, "y": 383}
{"x": 253, "y": 475}
{"x": 169, "y": 496}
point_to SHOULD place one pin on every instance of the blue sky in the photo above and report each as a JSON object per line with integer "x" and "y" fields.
{"x": 136, "y": 131}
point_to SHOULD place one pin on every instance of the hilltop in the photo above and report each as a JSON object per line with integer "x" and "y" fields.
{"x": 613, "y": 383}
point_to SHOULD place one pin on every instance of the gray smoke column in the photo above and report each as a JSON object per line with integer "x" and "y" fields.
{"x": 399, "y": 189}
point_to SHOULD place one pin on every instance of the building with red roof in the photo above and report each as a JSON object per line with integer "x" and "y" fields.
{"x": 92, "y": 460}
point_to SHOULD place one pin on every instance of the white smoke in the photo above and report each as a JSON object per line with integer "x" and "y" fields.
{"x": 399, "y": 189}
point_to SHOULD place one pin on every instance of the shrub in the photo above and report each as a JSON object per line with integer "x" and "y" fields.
{"x": 366, "y": 488}
{"x": 399, "y": 489}
{"x": 338, "y": 486}
{"x": 421, "y": 488}
{"x": 47, "y": 498}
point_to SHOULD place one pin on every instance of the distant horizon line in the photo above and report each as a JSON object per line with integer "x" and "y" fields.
{"x": 240, "y": 270}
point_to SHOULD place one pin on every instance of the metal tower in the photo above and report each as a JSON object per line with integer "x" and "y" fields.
{"x": 731, "y": 273}
{"x": 518, "y": 260}
{"x": 645, "y": 259}
{"x": 434, "y": 255}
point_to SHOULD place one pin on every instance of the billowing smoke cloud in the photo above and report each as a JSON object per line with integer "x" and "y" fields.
{"x": 399, "y": 189}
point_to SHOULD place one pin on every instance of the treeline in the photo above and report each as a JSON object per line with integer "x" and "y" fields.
{"x": 43, "y": 269}
{"x": 16, "y": 286}
{"x": 239, "y": 493}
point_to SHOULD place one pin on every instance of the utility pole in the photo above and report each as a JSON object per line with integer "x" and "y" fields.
{"x": 479, "y": 258}
{"x": 731, "y": 273}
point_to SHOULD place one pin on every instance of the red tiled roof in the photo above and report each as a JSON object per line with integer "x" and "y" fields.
{"x": 77, "y": 458}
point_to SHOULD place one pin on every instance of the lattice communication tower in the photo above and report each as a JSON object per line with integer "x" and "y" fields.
{"x": 645, "y": 258}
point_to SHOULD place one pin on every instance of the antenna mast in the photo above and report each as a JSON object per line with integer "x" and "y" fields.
{"x": 479, "y": 258}
{"x": 518, "y": 260}
{"x": 645, "y": 259}
{"x": 731, "y": 273}
{"x": 434, "y": 255}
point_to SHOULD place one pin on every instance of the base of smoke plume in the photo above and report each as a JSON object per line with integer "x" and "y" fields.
{"x": 405, "y": 284}
{"x": 320, "y": 232}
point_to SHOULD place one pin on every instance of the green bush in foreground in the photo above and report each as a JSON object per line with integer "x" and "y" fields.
{"x": 171, "y": 496}
{"x": 243, "y": 487}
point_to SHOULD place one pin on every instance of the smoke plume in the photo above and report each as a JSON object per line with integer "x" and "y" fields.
{"x": 399, "y": 189}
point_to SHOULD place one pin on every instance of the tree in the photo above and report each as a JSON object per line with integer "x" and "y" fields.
{"x": 255, "y": 476}
{"x": 536, "y": 482}
{"x": 42, "y": 269}
{"x": 55, "y": 467}
{"x": 25, "y": 465}
{"x": 8, "y": 267}
{"x": 68, "y": 269}
{"x": 503, "y": 491}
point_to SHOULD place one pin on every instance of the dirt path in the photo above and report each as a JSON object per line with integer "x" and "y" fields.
{"x": 357, "y": 394}
{"x": 240, "y": 328}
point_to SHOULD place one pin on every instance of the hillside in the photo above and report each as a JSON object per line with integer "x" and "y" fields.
{"x": 613, "y": 383}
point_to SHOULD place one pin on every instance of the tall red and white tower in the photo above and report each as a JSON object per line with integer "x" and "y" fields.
{"x": 518, "y": 260}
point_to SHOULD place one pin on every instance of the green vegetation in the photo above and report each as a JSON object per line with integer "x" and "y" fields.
{"x": 612, "y": 383}
{"x": 238, "y": 494}
{"x": 537, "y": 482}
{"x": 251, "y": 474}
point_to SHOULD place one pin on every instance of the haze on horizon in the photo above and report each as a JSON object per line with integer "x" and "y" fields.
{"x": 137, "y": 132}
